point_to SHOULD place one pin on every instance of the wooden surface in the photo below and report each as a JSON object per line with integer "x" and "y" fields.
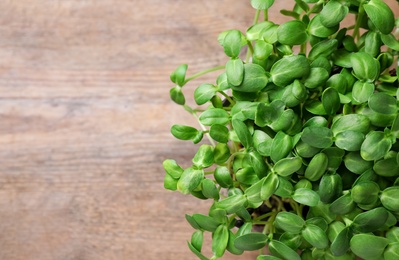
{"x": 84, "y": 124}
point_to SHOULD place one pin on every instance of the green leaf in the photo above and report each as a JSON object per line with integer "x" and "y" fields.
{"x": 189, "y": 180}
{"x": 247, "y": 176}
{"x": 331, "y": 101}
{"x": 370, "y": 221}
{"x": 230, "y": 245}
{"x": 254, "y": 79}
{"x": 365, "y": 192}
{"x": 335, "y": 156}
{"x": 172, "y": 168}
{"x": 362, "y": 91}
{"x": 306, "y": 197}
{"x": 214, "y": 116}
{"x": 281, "y": 146}
{"x": 333, "y": 13}
{"x": 232, "y": 43}
{"x": 323, "y": 49}
{"x": 356, "y": 164}
{"x": 204, "y": 93}
{"x": 392, "y": 251}
{"x": 177, "y": 95}
{"x": 223, "y": 177}
{"x": 338, "y": 82}
{"x": 349, "y": 140}
{"x": 383, "y": 103}
{"x": 169, "y": 183}
{"x": 178, "y": 76}
{"x": 330, "y": 187}
{"x": 251, "y": 241}
{"x": 183, "y": 132}
{"x": 204, "y": 156}
{"x": 375, "y": 146}
{"x": 292, "y": 33}
{"x": 287, "y": 166}
{"x": 205, "y": 222}
{"x": 253, "y": 194}
{"x": 368, "y": 246}
{"x": 262, "y": 50}
{"x": 285, "y": 188}
{"x": 289, "y": 222}
{"x": 209, "y": 189}
{"x": 341, "y": 243}
{"x": 390, "y": 41}
{"x": 196, "y": 252}
{"x": 267, "y": 257}
{"x": 387, "y": 167}
{"x": 219, "y": 133}
{"x": 235, "y": 72}
{"x": 319, "y": 137}
{"x": 269, "y": 186}
{"x": 317, "y": 28}
{"x": 365, "y": 67}
{"x": 351, "y": 122}
{"x": 221, "y": 153}
{"x": 343, "y": 205}
{"x": 372, "y": 43}
{"x": 197, "y": 238}
{"x": 315, "y": 236}
{"x": 262, "y": 4}
{"x": 220, "y": 238}
{"x": 258, "y": 163}
{"x": 316, "y": 78}
{"x": 281, "y": 250}
{"x": 232, "y": 204}
{"x": 380, "y": 15}
{"x": 256, "y": 31}
{"x": 315, "y": 107}
{"x": 389, "y": 198}
{"x": 316, "y": 167}
{"x": 243, "y": 133}
{"x": 289, "y": 68}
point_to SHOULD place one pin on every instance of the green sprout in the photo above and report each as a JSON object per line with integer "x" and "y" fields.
{"x": 302, "y": 158}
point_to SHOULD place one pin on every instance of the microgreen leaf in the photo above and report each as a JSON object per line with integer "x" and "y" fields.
{"x": 251, "y": 241}
{"x": 214, "y": 116}
{"x": 206, "y": 222}
{"x": 204, "y": 156}
{"x": 371, "y": 220}
{"x": 220, "y": 238}
{"x": 289, "y": 222}
{"x": 317, "y": 28}
{"x": 333, "y": 13}
{"x": 183, "y": 132}
{"x": 178, "y": 76}
{"x": 383, "y": 103}
{"x": 177, "y": 95}
{"x": 368, "y": 246}
{"x": 232, "y": 43}
{"x": 306, "y": 197}
{"x": 262, "y": 4}
{"x": 381, "y": 15}
{"x": 243, "y": 133}
{"x": 281, "y": 250}
{"x": 204, "y": 93}
{"x": 235, "y": 72}
{"x": 319, "y": 137}
{"x": 389, "y": 198}
{"x": 315, "y": 236}
{"x": 292, "y": 33}
{"x": 365, "y": 66}
{"x": 255, "y": 79}
{"x": 375, "y": 146}
{"x": 287, "y": 166}
{"x": 330, "y": 187}
{"x": 223, "y": 177}
{"x": 189, "y": 180}
{"x": 289, "y": 68}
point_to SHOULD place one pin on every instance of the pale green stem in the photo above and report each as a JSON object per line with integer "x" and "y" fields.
{"x": 201, "y": 73}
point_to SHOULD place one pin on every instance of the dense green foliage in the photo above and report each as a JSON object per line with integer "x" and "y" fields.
{"x": 302, "y": 156}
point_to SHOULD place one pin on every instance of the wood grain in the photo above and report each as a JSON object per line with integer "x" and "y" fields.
{"x": 85, "y": 117}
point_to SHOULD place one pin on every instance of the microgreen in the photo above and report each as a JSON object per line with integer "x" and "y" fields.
{"x": 298, "y": 136}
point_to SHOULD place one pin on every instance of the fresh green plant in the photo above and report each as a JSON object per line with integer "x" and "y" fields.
{"x": 302, "y": 159}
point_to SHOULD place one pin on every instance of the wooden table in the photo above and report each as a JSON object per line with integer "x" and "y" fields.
{"x": 85, "y": 118}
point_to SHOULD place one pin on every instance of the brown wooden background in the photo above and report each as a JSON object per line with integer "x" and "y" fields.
{"x": 84, "y": 123}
